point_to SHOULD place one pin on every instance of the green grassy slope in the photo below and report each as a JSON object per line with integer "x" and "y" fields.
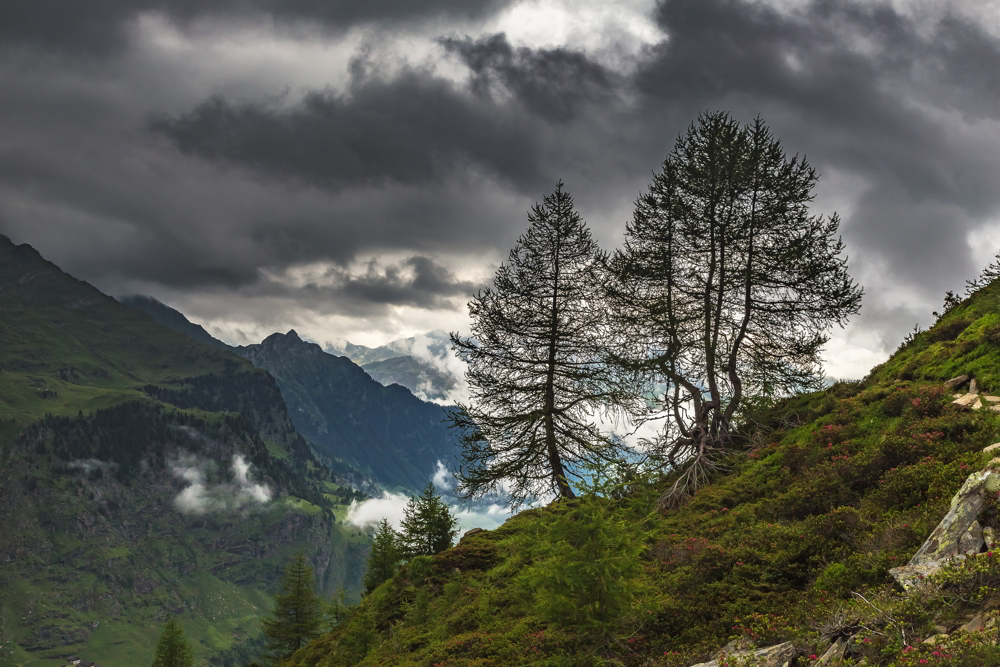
{"x": 100, "y": 410}
{"x": 68, "y": 347}
{"x": 827, "y": 493}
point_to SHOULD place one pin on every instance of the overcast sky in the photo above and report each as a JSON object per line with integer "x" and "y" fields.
{"x": 355, "y": 170}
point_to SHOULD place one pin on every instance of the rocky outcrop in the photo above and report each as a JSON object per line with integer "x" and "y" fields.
{"x": 780, "y": 655}
{"x": 959, "y": 533}
{"x": 956, "y": 382}
{"x": 972, "y": 399}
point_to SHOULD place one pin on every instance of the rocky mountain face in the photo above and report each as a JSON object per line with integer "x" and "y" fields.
{"x": 418, "y": 376}
{"x": 416, "y": 363}
{"x": 344, "y": 409}
{"x": 385, "y": 431}
{"x": 143, "y": 474}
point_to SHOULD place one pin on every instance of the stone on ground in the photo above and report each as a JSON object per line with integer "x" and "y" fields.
{"x": 772, "y": 656}
{"x": 956, "y": 381}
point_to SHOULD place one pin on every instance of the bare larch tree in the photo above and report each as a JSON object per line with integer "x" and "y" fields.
{"x": 726, "y": 285}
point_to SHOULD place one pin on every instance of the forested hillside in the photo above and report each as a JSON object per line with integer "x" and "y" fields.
{"x": 385, "y": 430}
{"x": 144, "y": 474}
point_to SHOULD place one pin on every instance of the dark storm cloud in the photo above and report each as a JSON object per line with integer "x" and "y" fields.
{"x": 415, "y": 129}
{"x": 861, "y": 88}
{"x": 552, "y": 83}
{"x": 101, "y": 26}
{"x": 847, "y": 69}
{"x": 418, "y": 281}
{"x": 217, "y": 190}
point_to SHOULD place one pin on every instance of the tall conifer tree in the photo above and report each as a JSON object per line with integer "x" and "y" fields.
{"x": 298, "y": 612}
{"x": 428, "y": 525}
{"x": 536, "y": 370}
{"x": 727, "y": 285}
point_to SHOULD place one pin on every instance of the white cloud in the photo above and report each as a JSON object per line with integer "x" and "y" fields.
{"x": 487, "y": 518}
{"x": 200, "y": 496}
{"x": 443, "y": 479}
{"x": 423, "y": 349}
{"x": 486, "y": 514}
{"x": 370, "y": 512}
{"x": 90, "y": 465}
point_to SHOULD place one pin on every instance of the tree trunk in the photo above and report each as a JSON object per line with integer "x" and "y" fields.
{"x": 558, "y": 474}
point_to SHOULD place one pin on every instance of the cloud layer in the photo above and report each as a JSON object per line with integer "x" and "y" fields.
{"x": 359, "y": 172}
{"x": 369, "y": 513}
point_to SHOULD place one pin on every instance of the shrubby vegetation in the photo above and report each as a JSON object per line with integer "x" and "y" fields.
{"x": 836, "y": 488}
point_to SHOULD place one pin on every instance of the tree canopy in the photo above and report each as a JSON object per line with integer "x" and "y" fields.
{"x": 428, "y": 526}
{"x": 384, "y": 557}
{"x": 535, "y": 359}
{"x": 172, "y": 649}
{"x": 298, "y": 612}
{"x": 726, "y": 284}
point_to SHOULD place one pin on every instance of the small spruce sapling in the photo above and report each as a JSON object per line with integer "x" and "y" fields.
{"x": 384, "y": 558}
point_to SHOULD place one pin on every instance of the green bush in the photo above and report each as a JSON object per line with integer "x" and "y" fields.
{"x": 586, "y": 577}
{"x": 836, "y": 580}
{"x": 948, "y": 330}
{"x": 971, "y": 581}
{"x": 961, "y": 649}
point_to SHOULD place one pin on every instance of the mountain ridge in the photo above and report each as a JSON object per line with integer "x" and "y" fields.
{"x": 387, "y": 431}
{"x": 340, "y": 407}
{"x": 143, "y": 473}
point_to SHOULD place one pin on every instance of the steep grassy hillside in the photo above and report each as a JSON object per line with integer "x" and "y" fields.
{"x": 143, "y": 474}
{"x": 793, "y": 542}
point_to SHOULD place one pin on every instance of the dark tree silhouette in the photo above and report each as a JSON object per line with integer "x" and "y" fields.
{"x": 535, "y": 363}
{"x": 726, "y": 285}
